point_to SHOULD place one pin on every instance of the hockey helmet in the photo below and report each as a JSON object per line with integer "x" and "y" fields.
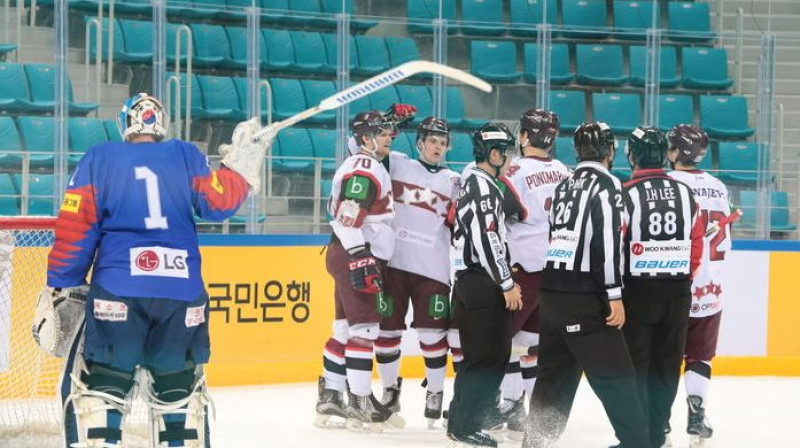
{"x": 541, "y": 126}
{"x": 492, "y": 136}
{"x": 647, "y": 147}
{"x": 593, "y": 141}
{"x": 435, "y": 126}
{"x": 690, "y": 141}
{"x": 369, "y": 124}
{"x": 144, "y": 115}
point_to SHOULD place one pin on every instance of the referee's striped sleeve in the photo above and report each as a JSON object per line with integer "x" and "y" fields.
{"x": 607, "y": 212}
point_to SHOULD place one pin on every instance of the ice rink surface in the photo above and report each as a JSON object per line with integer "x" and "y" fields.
{"x": 745, "y": 413}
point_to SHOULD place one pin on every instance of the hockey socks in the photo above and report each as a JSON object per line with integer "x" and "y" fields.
{"x": 333, "y": 362}
{"x": 512, "y": 386}
{"x": 358, "y": 360}
{"x": 387, "y": 353}
{"x": 434, "y": 350}
{"x": 697, "y": 377}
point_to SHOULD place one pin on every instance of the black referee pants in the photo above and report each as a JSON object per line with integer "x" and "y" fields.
{"x": 574, "y": 340}
{"x": 485, "y": 328}
{"x": 657, "y": 313}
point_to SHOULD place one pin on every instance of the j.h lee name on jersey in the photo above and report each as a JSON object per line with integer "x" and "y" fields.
{"x": 660, "y": 194}
{"x": 156, "y": 261}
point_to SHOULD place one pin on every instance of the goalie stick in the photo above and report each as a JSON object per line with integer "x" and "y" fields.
{"x": 730, "y": 219}
{"x": 374, "y": 84}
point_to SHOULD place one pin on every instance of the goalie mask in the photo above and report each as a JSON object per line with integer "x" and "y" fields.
{"x": 689, "y": 141}
{"x": 142, "y": 114}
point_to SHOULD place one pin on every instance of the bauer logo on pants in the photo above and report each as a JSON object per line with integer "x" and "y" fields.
{"x": 110, "y": 311}
{"x": 159, "y": 261}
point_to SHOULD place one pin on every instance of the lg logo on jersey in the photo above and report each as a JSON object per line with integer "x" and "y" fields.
{"x": 159, "y": 261}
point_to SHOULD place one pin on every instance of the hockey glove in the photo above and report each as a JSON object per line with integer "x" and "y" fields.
{"x": 59, "y": 316}
{"x": 364, "y": 273}
{"x": 245, "y": 155}
{"x": 400, "y": 114}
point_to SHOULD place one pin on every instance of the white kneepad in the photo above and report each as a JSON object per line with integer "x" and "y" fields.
{"x": 368, "y": 332}
{"x": 58, "y": 318}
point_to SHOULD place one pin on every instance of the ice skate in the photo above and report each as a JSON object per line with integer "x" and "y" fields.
{"x": 331, "y": 412}
{"x": 510, "y": 415}
{"x": 367, "y": 414}
{"x": 697, "y": 427}
{"x": 433, "y": 407}
{"x": 476, "y": 439}
{"x": 391, "y": 402}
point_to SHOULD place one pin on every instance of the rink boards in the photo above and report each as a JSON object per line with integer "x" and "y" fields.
{"x": 271, "y": 304}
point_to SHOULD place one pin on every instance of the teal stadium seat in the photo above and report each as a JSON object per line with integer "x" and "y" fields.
{"x": 358, "y": 23}
{"x": 316, "y": 91}
{"x": 280, "y": 50}
{"x": 331, "y": 52}
{"x": 373, "y": 57}
{"x": 673, "y": 110}
{"x": 405, "y": 143}
{"x": 633, "y": 17}
{"x": 295, "y": 142}
{"x": 738, "y": 162}
{"x": 779, "y": 211}
{"x": 724, "y": 116}
{"x": 119, "y": 41}
{"x": 361, "y": 105}
{"x": 460, "y": 153}
{"x": 112, "y": 131}
{"x": 9, "y": 198}
{"x": 421, "y": 14}
{"x": 221, "y": 99}
{"x": 10, "y": 142}
{"x": 211, "y": 46}
{"x": 382, "y": 99}
{"x": 237, "y": 37}
{"x": 84, "y": 133}
{"x": 705, "y": 68}
{"x": 419, "y": 96}
{"x": 14, "y": 92}
{"x": 570, "y": 105}
{"x": 526, "y": 14}
{"x": 622, "y": 111}
{"x": 495, "y": 61}
{"x": 564, "y": 151}
{"x": 40, "y": 193}
{"x": 482, "y": 18}
{"x": 600, "y": 65}
{"x": 324, "y": 145}
{"x": 198, "y": 107}
{"x": 307, "y": 12}
{"x": 309, "y": 51}
{"x": 138, "y": 37}
{"x": 234, "y": 10}
{"x": 401, "y": 49}
{"x": 560, "y": 71}
{"x": 181, "y": 9}
{"x": 584, "y": 19}
{"x": 288, "y": 98}
{"x": 275, "y": 11}
{"x": 454, "y": 112}
{"x": 668, "y": 66}
{"x": 42, "y": 80}
{"x": 38, "y": 135}
{"x": 689, "y": 21}
{"x": 133, "y": 7}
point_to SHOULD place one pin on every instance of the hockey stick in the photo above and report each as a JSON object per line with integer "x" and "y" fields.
{"x": 374, "y": 84}
{"x": 730, "y": 219}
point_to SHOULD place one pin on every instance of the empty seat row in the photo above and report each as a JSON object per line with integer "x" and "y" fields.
{"x": 722, "y": 116}
{"x": 603, "y": 65}
{"x": 30, "y": 88}
{"x": 579, "y": 18}
{"x": 36, "y": 136}
{"x": 40, "y": 191}
{"x": 219, "y": 47}
{"x": 5, "y": 49}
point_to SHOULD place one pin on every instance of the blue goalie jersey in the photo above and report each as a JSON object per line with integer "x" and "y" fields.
{"x": 129, "y": 211}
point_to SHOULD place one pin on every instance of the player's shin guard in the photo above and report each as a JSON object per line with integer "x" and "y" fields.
{"x": 177, "y": 403}
{"x": 100, "y": 399}
{"x": 387, "y": 355}
{"x": 454, "y": 341}
{"x": 434, "y": 350}
{"x": 334, "y": 370}
{"x": 697, "y": 376}
{"x": 530, "y": 370}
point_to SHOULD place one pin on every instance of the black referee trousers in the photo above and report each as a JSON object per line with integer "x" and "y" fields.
{"x": 588, "y": 346}
{"x": 657, "y": 313}
{"x": 485, "y": 327}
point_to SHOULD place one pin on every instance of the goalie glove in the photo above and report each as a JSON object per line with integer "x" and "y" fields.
{"x": 245, "y": 154}
{"x": 364, "y": 273}
{"x": 59, "y": 315}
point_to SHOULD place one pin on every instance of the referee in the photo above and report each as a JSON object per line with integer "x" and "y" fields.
{"x": 664, "y": 244}
{"x": 484, "y": 291}
{"x": 580, "y": 302}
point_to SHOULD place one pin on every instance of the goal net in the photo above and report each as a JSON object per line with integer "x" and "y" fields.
{"x": 30, "y": 403}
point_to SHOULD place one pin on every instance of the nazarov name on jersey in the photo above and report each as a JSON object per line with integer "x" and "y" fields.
{"x": 706, "y": 192}
{"x": 157, "y": 261}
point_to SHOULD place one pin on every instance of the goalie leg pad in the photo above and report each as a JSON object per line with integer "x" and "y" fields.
{"x": 101, "y": 399}
{"x": 178, "y": 402}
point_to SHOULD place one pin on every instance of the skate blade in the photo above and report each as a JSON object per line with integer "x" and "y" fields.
{"x": 329, "y": 421}
{"x": 458, "y": 444}
{"x": 396, "y": 421}
{"x": 695, "y": 441}
{"x": 356, "y": 425}
{"x": 515, "y": 436}
{"x": 432, "y": 423}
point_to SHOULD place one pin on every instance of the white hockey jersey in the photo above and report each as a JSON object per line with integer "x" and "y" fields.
{"x": 422, "y": 199}
{"x": 361, "y": 205}
{"x": 531, "y": 181}
{"x": 712, "y": 195}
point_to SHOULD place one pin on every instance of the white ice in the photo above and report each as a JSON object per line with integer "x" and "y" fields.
{"x": 745, "y": 413}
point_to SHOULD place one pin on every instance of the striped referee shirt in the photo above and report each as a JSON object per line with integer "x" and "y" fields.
{"x": 665, "y": 234}
{"x": 587, "y": 218}
{"x": 480, "y": 222}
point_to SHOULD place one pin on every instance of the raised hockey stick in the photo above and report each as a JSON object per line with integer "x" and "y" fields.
{"x": 374, "y": 84}
{"x": 730, "y": 219}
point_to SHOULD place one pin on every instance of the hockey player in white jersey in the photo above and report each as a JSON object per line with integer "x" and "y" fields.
{"x": 362, "y": 242}
{"x": 528, "y": 188}
{"x": 687, "y": 147}
{"x": 419, "y": 270}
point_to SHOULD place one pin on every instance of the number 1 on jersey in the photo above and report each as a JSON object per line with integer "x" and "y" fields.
{"x": 155, "y": 220}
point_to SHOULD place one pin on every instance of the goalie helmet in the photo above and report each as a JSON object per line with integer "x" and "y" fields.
{"x": 492, "y": 136}
{"x": 369, "y": 124}
{"x": 647, "y": 147}
{"x": 541, "y": 126}
{"x": 142, "y": 114}
{"x": 690, "y": 141}
{"x": 593, "y": 141}
{"x": 435, "y": 126}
